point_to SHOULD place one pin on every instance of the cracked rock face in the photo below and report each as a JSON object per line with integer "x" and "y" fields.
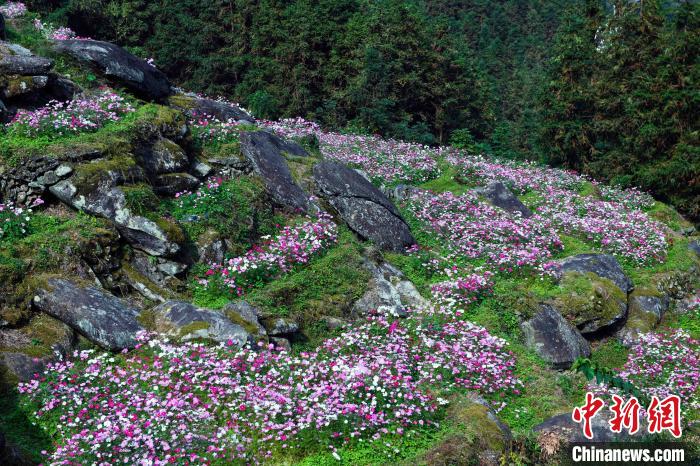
{"x": 389, "y": 292}
{"x": 119, "y": 65}
{"x": 365, "y": 209}
{"x": 554, "y": 339}
{"x": 263, "y": 151}
{"x": 102, "y": 318}
{"x": 109, "y": 202}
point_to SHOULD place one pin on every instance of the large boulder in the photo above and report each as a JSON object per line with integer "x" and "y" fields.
{"x": 565, "y": 430}
{"x": 264, "y": 151}
{"x": 594, "y": 293}
{"x": 162, "y": 156}
{"x": 108, "y": 201}
{"x": 499, "y": 196}
{"x": 554, "y": 339}
{"x": 603, "y": 265}
{"x": 186, "y": 321}
{"x": 365, "y": 209}
{"x": 100, "y": 317}
{"x": 16, "y": 60}
{"x": 26, "y": 351}
{"x": 646, "y": 308}
{"x": 118, "y": 65}
{"x": 389, "y": 291}
{"x": 171, "y": 184}
{"x": 197, "y": 105}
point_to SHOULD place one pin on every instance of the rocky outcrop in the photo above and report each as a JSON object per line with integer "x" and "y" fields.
{"x": 16, "y": 60}
{"x": 174, "y": 183}
{"x": 499, "y": 196}
{"x": 108, "y": 201}
{"x": 279, "y": 326}
{"x": 100, "y": 317}
{"x": 186, "y": 321}
{"x": 119, "y": 65}
{"x": 554, "y": 339}
{"x": 388, "y": 292}
{"x": 263, "y": 151}
{"x": 197, "y": 105}
{"x": 594, "y": 296}
{"x": 365, "y": 209}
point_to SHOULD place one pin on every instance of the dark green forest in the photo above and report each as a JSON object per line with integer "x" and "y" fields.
{"x": 609, "y": 88}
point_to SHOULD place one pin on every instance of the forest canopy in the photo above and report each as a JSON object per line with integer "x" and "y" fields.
{"x": 604, "y": 87}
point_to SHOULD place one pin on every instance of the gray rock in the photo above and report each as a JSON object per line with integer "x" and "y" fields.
{"x": 16, "y": 60}
{"x": 22, "y": 85}
{"x": 158, "y": 270}
{"x": 554, "y": 339}
{"x": 109, "y": 202}
{"x": 163, "y": 156}
{"x": 388, "y": 292}
{"x": 119, "y": 65}
{"x": 63, "y": 171}
{"x": 645, "y": 312}
{"x": 10, "y": 454}
{"x": 694, "y": 246}
{"x": 402, "y": 192}
{"x": 263, "y": 151}
{"x": 174, "y": 183}
{"x": 185, "y": 321}
{"x": 280, "y": 326}
{"x": 365, "y": 209}
{"x": 211, "y": 247}
{"x": 499, "y": 196}
{"x": 102, "y": 318}
{"x": 568, "y": 431}
{"x": 246, "y": 315}
{"x": 222, "y": 111}
{"x": 603, "y": 265}
{"x": 201, "y": 169}
{"x": 333, "y": 323}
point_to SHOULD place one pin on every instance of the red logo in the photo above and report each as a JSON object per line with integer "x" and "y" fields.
{"x": 661, "y": 415}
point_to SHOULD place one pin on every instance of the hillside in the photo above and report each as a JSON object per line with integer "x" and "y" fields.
{"x": 186, "y": 282}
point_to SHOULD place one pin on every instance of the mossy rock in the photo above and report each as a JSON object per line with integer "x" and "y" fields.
{"x": 647, "y": 306}
{"x": 88, "y": 176}
{"x": 590, "y": 302}
{"x": 480, "y": 437}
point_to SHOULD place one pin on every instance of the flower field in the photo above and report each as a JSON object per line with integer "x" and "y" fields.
{"x": 13, "y": 10}
{"x": 193, "y": 404}
{"x": 292, "y": 246}
{"x": 59, "y": 119}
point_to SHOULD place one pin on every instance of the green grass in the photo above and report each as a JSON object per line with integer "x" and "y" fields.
{"x": 328, "y": 285}
{"x": 18, "y": 429}
{"x": 610, "y": 354}
{"x": 113, "y": 139}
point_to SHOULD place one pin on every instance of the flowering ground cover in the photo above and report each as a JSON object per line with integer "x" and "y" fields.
{"x": 13, "y": 10}
{"x": 59, "y": 119}
{"x": 662, "y": 364}
{"x": 291, "y": 246}
{"x": 14, "y": 220}
{"x": 384, "y": 160}
{"x": 51, "y": 32}
{"x": 193, "y": 403}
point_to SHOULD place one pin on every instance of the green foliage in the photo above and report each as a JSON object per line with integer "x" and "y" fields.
{"x": 328, "y": 285}
{"x": 606, "y": 376}
{"x": 619, "y": 104}
{"x": 236, "y": 210}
